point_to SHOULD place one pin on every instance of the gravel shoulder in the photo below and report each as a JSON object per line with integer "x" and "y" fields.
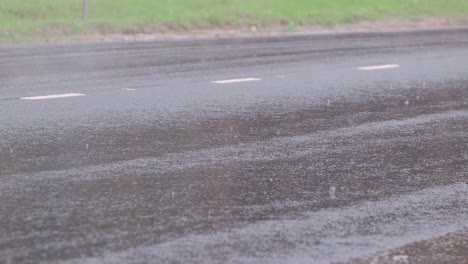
{"x": 451, "y": 248}
{"x": 158, "y": 32}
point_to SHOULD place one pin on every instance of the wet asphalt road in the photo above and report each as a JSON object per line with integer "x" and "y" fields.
{"x": 311, "y": 160}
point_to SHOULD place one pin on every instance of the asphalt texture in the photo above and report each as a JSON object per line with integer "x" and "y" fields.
{"x": 297, "y": 149}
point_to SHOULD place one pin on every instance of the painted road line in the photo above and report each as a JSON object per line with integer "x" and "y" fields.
{"x": 379, "y": 67}
{"x": 52, "y": 96}
{"x": 129, "y": 89}
{"x": 236, "y": 80}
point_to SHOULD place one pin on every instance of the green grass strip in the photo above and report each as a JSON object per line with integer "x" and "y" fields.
{"x": 33, "y": 18}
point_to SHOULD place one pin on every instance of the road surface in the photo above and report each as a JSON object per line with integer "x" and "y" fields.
{"x": 296, "y": 149}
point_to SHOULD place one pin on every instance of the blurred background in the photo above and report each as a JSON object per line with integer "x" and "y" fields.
{"x": 31, "y": 20}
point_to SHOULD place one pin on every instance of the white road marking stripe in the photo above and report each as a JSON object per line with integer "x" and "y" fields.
{"x": 379, "y": 67}
{"x": 52, "y": 96}
{"x": 129, "y": 89}
{"x": 236, "y": 80}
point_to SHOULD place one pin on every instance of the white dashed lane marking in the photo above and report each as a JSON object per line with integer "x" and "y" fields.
{"x": 379, "y": 67}
{"x": 236, "y": 80}
{"x": 52, "y": 96}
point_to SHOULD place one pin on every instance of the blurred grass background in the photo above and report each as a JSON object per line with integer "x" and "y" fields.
{"x": 34, "y": 18}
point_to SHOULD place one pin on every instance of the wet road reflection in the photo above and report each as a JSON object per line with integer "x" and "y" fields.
{"x": 293, "y": 175}
{"x": 258, "y": 122}
{"x": 307, "y": 159}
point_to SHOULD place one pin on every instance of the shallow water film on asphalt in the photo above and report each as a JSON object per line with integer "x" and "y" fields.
{"x": 299, "y": 149}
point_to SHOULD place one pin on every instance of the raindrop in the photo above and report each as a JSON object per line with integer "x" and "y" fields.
{"x": 87, "y": 146}
{"x": 407, "y": 102}
{"x": 329, "y": 102}
{"x": 332, "y": 192}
